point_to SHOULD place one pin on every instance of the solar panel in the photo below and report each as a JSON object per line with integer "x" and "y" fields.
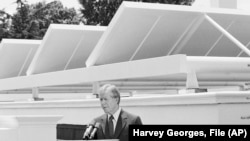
{"x": 65, "y": 47}
{"x": 15, "y": 56}
{"x": 176, "y": 44}
{"x": 143, "y": 30}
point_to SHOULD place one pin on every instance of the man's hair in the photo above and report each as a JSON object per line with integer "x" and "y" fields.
{"x": 113, "y": 89}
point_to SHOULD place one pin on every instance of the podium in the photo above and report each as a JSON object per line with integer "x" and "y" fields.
{"x": 70, "y": 131}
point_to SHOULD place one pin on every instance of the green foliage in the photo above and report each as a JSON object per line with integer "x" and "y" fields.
{"x": 32, "y": 21}
{"x": 54, "y": 12}
{"x": 100, "y": 12}
{"x": 20, "y": 22}
{"x": 45, "y": 14}
{"x": 5, "y": 23}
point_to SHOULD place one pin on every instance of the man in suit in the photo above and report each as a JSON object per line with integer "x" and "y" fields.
{"x": 115, "y": 122}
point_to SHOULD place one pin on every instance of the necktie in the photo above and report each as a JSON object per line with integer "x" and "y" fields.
{"x": 111, "y": 126}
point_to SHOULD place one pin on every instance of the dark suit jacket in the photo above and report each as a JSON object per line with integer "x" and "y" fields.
{"x": 121, "y": 130}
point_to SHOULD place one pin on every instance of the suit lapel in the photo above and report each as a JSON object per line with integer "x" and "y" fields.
{"x": 103, "y": 124}
{"x": 121, "y": 123}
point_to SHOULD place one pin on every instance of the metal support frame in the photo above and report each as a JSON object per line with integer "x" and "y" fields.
{"x": 217, "y": 41}
{"x": 116, "y": 71}
{"x": 228, "y": 35}
{"x": 247, "y": 45}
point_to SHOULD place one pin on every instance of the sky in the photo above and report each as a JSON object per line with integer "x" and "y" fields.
{"x": 10, "y": 5}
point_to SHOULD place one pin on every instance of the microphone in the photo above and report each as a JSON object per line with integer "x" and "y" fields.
{"x": 97, "y": 126}
{"x": 88, "y": 130}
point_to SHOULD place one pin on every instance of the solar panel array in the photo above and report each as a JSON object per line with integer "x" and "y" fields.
{"x": 212, "y": 43}
{"x": 140, "y": 31}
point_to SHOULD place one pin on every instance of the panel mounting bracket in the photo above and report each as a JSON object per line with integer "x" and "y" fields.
{"x": 35, "y": 94}
{"x": 192, "y": 84}
{"x": 95, "y": 88}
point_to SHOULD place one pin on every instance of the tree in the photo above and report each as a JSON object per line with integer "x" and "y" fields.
{"x": 45, "y": 14}
{"x": 100, "y": 12}
{"x": 5, "y": 23}
{"x": 20, "y": 22}
{"x": 54, "y": 12}
{"x": 32, "y": 21}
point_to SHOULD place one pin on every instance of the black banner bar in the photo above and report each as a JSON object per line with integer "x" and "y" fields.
{"x": 189, "y": 132}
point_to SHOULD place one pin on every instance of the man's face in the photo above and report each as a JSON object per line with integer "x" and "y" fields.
{"x": 108, "y": 103}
